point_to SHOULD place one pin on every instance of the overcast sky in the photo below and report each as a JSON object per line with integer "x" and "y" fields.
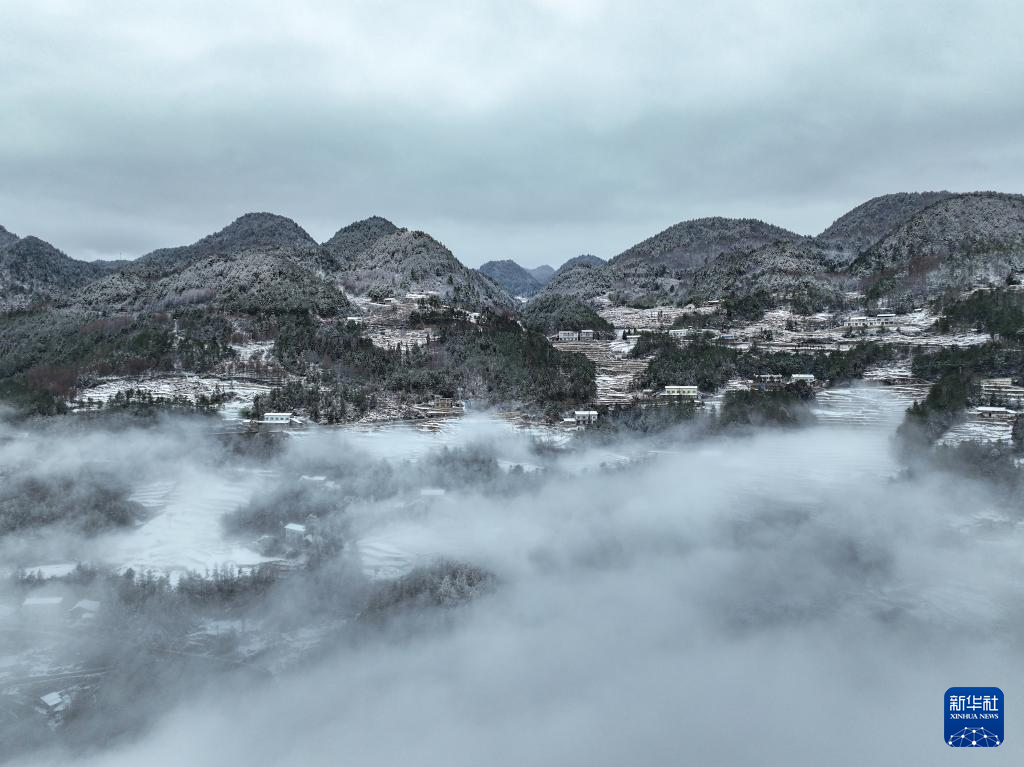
{"x": 533, "y": 130}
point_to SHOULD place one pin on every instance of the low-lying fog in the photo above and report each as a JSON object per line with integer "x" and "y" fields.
{"x": 784, "y": 598}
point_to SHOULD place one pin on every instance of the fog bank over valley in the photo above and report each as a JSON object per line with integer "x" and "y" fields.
{"x": 484, "y": 594}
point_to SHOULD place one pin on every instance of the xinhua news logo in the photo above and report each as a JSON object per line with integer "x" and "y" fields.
{"x": 974, "y": 717}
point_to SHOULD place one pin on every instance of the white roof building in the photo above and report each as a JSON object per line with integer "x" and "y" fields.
{"x": 585, "y": 416}
{"x": 55, "y": 701}
{"x": 996, "y": 412}
{"x": 681, "y": 391}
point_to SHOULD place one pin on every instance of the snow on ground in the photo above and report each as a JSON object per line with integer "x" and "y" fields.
{"x": 615, "y": 369}
{"x": 185, "y": 385}
{"x": 389, "y": 337}
{"x": 890, "y": 371}
{"x": 186, "y": 532}
{"x": 628, "y": 317}
{"x": 52, "y": 571}
{"x": 865, "y": 405}
{"x": 781, "y": 328}
{"x": 254, "y": 351}
{"x": 978, "y": 429}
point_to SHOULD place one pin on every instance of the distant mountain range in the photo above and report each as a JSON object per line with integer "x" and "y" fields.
{"x": 894, "y": 246}
{"x": 522, "y": 282}
{"x": 31, "y": 269}
{"x": 260, "y": 261}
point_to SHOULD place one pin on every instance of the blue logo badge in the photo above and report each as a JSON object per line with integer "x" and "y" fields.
{"x": 974, "y": 717}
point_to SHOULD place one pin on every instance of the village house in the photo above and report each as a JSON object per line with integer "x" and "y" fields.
{"x": 997, "y": 413}
{"x": 356, "y": 320}
{"x": 85, "y": 610}
{"x": 54, "y": 704}
{"x": 876, "y": 321}
{"x": 585, "y": 417}
{"x": 686, "y": 392}
{"x": 807, "y": 378}
{"x": 586, "y": 335}
{"x": 766, "y": 382}
{"x": 294, "y": 535}
{"x": 279, "y": 422}
{"x": 568, "y": 335}
{"x": 679, "y": 332}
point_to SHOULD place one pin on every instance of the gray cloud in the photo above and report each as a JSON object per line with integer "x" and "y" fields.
{"x": 535, "y": 130}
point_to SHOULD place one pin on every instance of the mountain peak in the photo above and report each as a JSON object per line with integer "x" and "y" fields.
{"x": 690, "y": 244}
{"x": 511, "y": 277}
{"x": 374, "y": 226}
{"x": 859, "y": 229}
{"x": 249, "y": 233}
{"x": 359, "y": 236}
{"x": 584, "y": 259}
{"x": 33, "y": 247}
{"x": 259, "y": 230}
{"x": 7, "y": 238}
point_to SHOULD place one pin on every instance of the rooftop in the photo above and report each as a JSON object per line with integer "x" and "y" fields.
{"x": 41, "y": 601}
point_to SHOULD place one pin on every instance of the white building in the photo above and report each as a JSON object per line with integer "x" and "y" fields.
{"x": 688, "y": 392}
{"x": 85, "y": 610}
{"x": 586, "y": 335}
{"x": 766, "y": 382}
{"x": 585, "y": 417}
{"x": 878, "y": 321}
{"x": 807, "y": 378}
{"x": 1000, "y": 413}
{"x": 55, "y": 703}
{"x": 294, "y": 534}
{"x": 276, "y": 418}
{"x": 568, "y": 335}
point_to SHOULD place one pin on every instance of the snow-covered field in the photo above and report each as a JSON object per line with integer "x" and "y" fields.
{"x": 627, "y": 317}
{"x": 185, "y": 385}
{"x": 185, "y": 530}
{"x": 977, "y": 429}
